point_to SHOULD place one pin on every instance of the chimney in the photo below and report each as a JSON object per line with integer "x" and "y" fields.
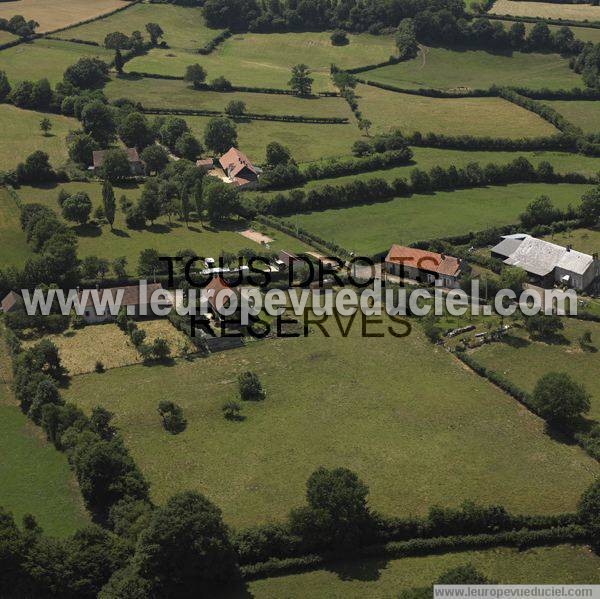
{"x": 443, "y": 256}
{"x": 569, "y": 247}
{"x": 595, "y": 256}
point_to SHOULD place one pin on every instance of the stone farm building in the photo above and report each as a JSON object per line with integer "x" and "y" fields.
{"x": 131, "y": 297}
{"x": 235, "y": 169}
{"x": 136, "y": 165}
{"x": 547, "y": 263}
{"x": 423, "y": 266}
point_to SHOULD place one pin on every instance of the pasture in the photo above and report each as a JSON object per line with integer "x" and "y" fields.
{"x": 582, "y": 240}
{"x": 22, "y": 136}
{"x": 58, "y": 13}
{"x": 546, "y": 10}
{"x": 583, "y": 114}
{"x": 162, "y": 93}
{"x": 164, "y": 236}
{"x": 372, "y": 228}
{"x": 6, "y": 37}
{"x": 359, "y": 402}
{"x": 13, "y": 249}
{"x": 382, "y": 579}
{"x": 523, "y": 360}
{"x": 183, "y": 26}
{"x": 495, "y": 117}
{"x": 307, "y": 141}
{"x": 265, "y": 60}
{"x": 477, "y": 69}
{"x": 46, "y": 59}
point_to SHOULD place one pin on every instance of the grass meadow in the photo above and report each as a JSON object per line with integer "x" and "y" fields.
{"x": 477, "y": 69}
{"x": 183, "y": 26}
{"x": 13, "y": 249}
{"x": 162, "y": 93}
{"x": 265, "y": 60}
{"x": 382, "y": 579}
{"x": 6, "y": 37}
{"x": 163, "y": 236}
{"x": 585, "y": 115}
{"x": 58, "y": 13}
{"x": 523, "y": 360}
{"x": 546, "y": 10}
{"x": 372, "y": 228}
{"x": 46, "y": 59}
{"x": 307, "y": 141}
{"x": 22, "y": 136}
{"x": 582, "y": 240}
{"x": 359, "y": 402}
{"x": 451, "y": 116}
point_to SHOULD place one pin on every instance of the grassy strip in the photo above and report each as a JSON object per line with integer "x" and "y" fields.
{"x": 420, "y": 547}
{"x": 548, "y": 21}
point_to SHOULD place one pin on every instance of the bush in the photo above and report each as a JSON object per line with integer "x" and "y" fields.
{"x": 172, "y": 417}
{"x": 250, "y": 387}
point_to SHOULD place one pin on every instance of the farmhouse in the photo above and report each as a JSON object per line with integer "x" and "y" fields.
{"x": 423, "y": 266}
{"x": 218, "y": 294}
{"x": 547, "y": 263}
{"x": 131, "y": 301}
{"x": 135, "y": 163}
{"x": 235, "y": 169}
{"x": 13, "y": 301}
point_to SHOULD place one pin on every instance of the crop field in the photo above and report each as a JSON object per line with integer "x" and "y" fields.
{"x": 372, "y": 228}
{"x": 307, "y": 141}
{"x": 162, "y": 93}
{"x": 58, "y": 13}
{"x": 164, "y": 236}
{"x": 585, "y": 115}
{"x": 183, "y": 26}
{"x": 477, "y": 69}
{"x": 523, "y": 360}
{"x": 13, "y": 249}
{"x": 451, "y": 116}
{"x": 46, "y": 59}
{"x": 582, "y": 240}
{"x": 382, "y": 579}
{"x": 22, "y": 136}
{"x": 548, "y": 10}
{"x": 265, "y": 60}
{"x": 378, "y": 403}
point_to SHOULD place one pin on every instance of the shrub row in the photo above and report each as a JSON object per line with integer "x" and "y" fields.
{"x": 431, "y": 92}
{"x": 559, "y": 94}
{"x": 416, "y": 547}
{"x": 368, "y": 67}
{"x": 73, "y": 40}
{"x": 219, "y": 39}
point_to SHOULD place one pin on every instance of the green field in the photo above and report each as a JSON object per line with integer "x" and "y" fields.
{"x": 585, "y": 115}
{"x": 13, "y": 249}
{"x": 46, "y": 59}
{"x": 306, "y": 141}
{"x": 22, "y": 136}
{"x": 6, "y": 37}
{"x": 183, "y": 26}
{"x": 36, "y": 478}
{"x": 451, "y": 116}
{"x": 357, "y": 402}
{"x": 372, "y": 228}
{"x": 477, "y": 69}
{"x": 265, "y": 60}
{"x": 162, "y": 93}
{"x": 547, "y": 10}
{"x": 163, "y": 236}
{"x": 382, "y": 579}
{"x": 582, "y": 240}
{"x": 524, "y": 361}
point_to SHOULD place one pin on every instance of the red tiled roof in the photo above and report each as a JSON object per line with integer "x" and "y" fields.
{"x": 98, "y": 156}
{"x": 234, "y": 161}
{"x": 131, "y": 295}
{"x": 218, "y": 300}
{"x": 204, "y": 162}
{"x": 9, "y": 302}
{"x": 424, "y": 260}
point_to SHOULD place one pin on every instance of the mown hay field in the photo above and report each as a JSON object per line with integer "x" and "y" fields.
{"x": 523, "y": 360}
{"x": 372, "y": 228}
{"x": 339, "y": 402}
{"x": 162, "y": 93}
{"x": 166, "y": 237}
{"x": 183, "y": 26}
{"x": 307, "y": 141}
{"x": 495, "y": 117}
{"x": 58, "y": 13}
{"x": 583, "y": 114}
{"x": 22, "y": 135}
{"x": 477, "y": 69}
{"x": 546, "y": 10}
{"x": 265, "y": 60}
{"x": 382, "y": 579}
{"x": 46, "y": 59}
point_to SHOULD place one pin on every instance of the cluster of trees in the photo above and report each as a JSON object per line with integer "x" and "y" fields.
{"x": 588, "y": 64}
{"x": 157, "y": 350}
{"x": 421, "y": 181}
{"x": 134, "y": 42}
{"x": 18, "y": 25}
